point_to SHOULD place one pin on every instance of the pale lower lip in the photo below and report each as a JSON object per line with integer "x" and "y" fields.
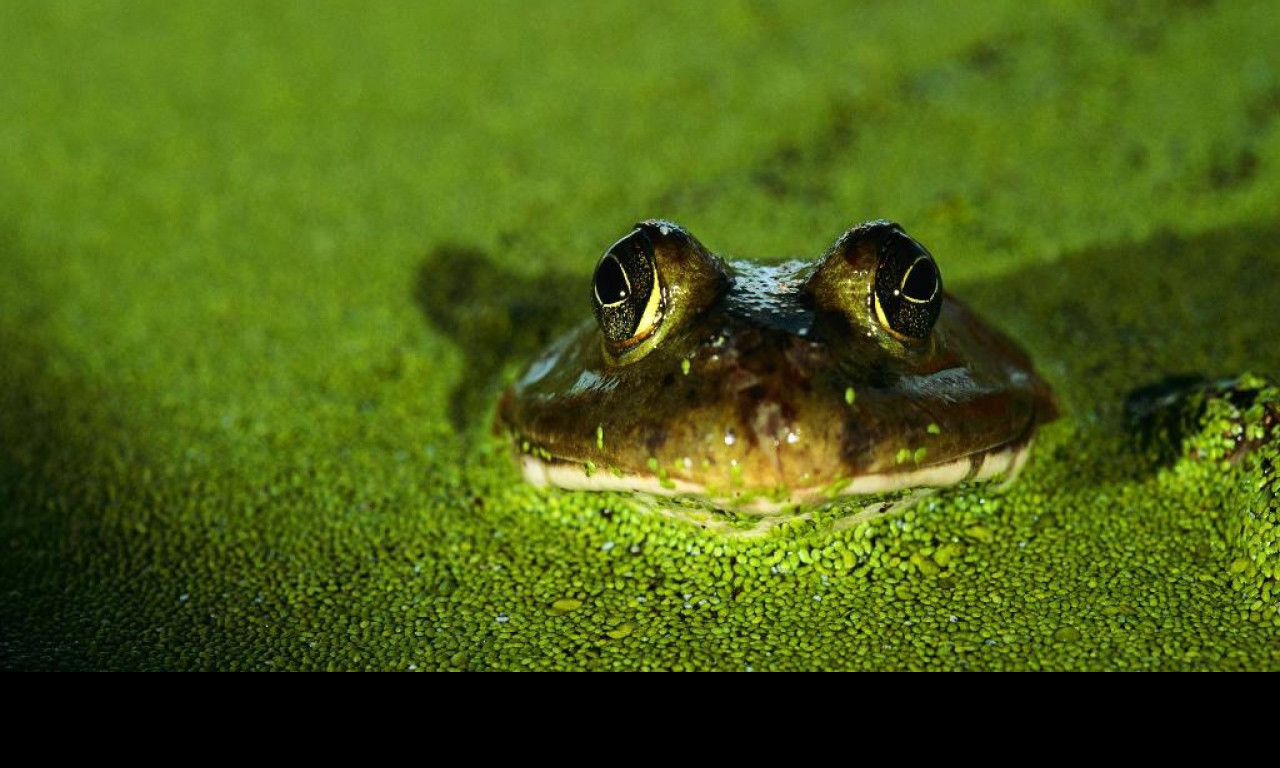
{"x": 1004, "y": 463}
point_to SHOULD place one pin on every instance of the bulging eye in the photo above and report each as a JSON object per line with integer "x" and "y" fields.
{"x": 908, "y": 287}
{"x": 626, "y": 291}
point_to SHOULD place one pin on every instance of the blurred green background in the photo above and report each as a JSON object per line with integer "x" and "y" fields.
{"x": 224, "y": 432}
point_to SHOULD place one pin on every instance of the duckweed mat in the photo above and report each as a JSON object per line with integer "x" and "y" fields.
{"x": 265, "y": 266}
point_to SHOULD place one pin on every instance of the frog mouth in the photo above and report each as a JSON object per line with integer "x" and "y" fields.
{"x": 879, "y": 493}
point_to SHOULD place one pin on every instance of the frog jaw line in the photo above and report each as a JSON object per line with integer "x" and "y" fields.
{"x": 1006, "y": 461}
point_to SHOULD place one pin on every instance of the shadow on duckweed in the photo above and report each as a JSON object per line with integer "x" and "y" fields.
{"x": 71, "y": 484}
{"x": 1107, "y": 322}
{"x": 497, "y": 318}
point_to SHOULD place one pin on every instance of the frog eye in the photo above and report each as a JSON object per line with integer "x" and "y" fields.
{"x": 908, "y": 287}
{"x": 626, "y": 291}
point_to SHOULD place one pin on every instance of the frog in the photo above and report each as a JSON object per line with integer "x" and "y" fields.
{"x": 742, "y": 394}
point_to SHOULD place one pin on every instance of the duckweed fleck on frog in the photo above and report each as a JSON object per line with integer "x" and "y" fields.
{"x": 751, "y": 393}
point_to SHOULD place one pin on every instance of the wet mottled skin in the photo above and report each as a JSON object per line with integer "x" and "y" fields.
{"x": 787, "y": 381}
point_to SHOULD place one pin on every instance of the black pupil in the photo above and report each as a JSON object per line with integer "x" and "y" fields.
{"x": 921, "y": 282}
{"x": 611, "y": 284}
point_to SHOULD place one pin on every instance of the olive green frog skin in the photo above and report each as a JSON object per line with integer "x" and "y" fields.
{"x": 766, "y": 392}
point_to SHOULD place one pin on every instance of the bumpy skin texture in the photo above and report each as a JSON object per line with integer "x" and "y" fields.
{"x": 777, "y": 377}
